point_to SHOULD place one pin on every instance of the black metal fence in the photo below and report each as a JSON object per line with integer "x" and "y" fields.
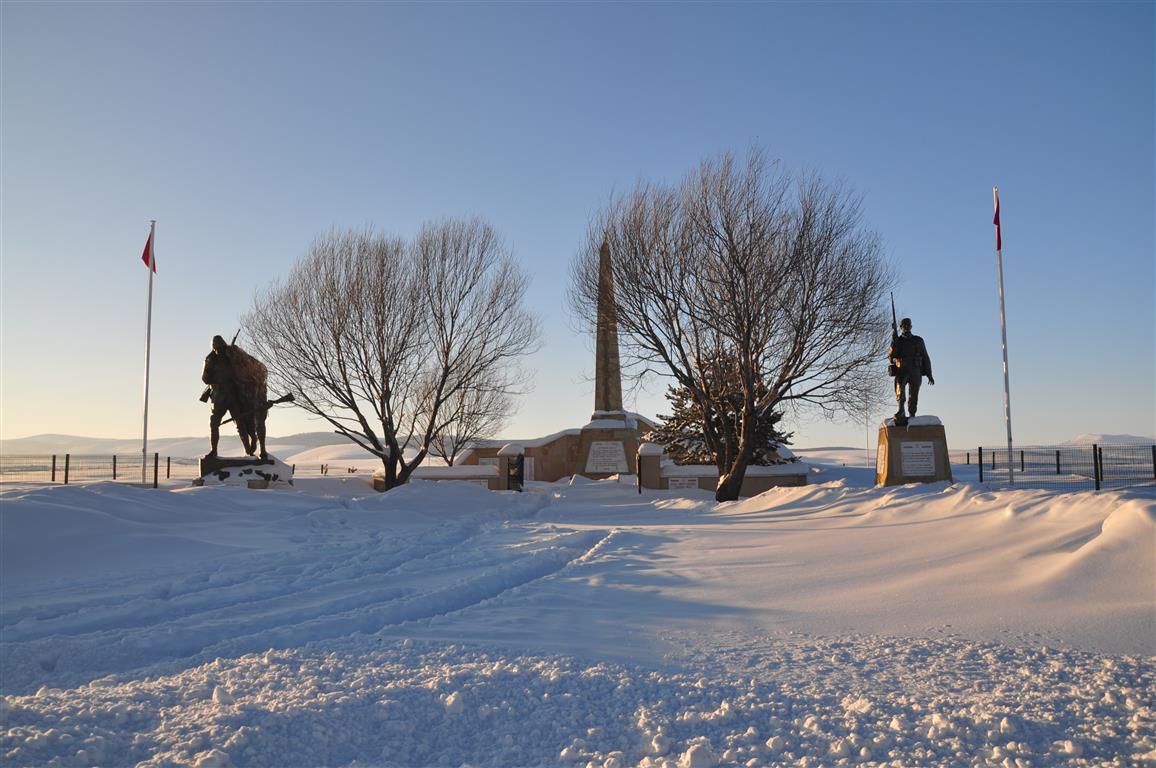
{"x": 64, "y": 468}
{"x": 1064, "y": 467}
{"x": 1067, "y": 467}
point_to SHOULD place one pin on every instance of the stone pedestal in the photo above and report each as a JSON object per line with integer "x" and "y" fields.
{"x": 250, "y": 471}
{"x": 915, "y": 453}
{"x": 607, "y": 447}
{"x": 650, "y": 465}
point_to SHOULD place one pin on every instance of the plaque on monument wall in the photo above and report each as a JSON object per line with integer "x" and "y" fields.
{"x": 528, "y": 469}
{"x": 683, "y": 483}
{"x": 607, "y": 456}
{"x": 917, "y": 458}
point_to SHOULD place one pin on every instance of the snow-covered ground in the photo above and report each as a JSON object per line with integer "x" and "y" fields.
{"x": 577, "y": 624}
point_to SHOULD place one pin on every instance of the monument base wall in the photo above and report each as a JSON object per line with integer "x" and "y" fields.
{"x": 555, "y": 459}
{"x": 752, "y": 485}
{"x": 552, "y": 459}
{"x": 602, "y": 448}
{"x": 484, "y": 476}
{"x": 911, "y": 454}
{"x": 704, "y": 477}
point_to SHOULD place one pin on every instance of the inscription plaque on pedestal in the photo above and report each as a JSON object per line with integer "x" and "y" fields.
{"x": 607, "y": 456}
{"x": 917, "y": 458}
{"x": 682, "y": 483}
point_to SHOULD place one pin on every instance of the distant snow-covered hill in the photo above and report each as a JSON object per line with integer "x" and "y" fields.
{"x": 1108, "y": 440}
{"x": 185, "y": 447}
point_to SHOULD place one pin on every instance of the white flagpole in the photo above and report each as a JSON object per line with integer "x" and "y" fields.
{"x": 1003, "y": 332}
{"x": 148, "y": 342}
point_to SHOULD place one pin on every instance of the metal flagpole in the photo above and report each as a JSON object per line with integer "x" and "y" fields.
{"x": 148, "y": 342}
{"x": 1003, "y": 332}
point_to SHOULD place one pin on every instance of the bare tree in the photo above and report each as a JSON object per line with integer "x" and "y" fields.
{"x": 746, "y": 274}
{"x": 478, "y": 412}
{"x": 382, "y": 338}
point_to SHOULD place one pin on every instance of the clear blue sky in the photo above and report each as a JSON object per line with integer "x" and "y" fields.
{"x": 246, "y": 129}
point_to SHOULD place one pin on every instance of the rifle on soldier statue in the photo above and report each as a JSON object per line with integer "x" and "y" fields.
{"x": 268, "y": 404}
{"x": 892, "y": 370}
{"x": 894, "y": 326}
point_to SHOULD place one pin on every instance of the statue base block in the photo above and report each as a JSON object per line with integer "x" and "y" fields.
{"x": 249, "y": 471}
{"x": 915, "y": 453}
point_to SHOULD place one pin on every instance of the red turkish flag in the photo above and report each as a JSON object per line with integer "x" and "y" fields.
{"x": 998, "y": 240}
{"x": 147, "y": 257}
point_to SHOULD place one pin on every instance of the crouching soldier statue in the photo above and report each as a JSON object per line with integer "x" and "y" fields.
{"x": 910, "y": 363}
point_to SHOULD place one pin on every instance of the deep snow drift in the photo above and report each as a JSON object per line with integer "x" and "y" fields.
{"x": 584, "y": 624}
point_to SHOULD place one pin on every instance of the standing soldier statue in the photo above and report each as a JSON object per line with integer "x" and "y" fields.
{"x": 909, "y": 364}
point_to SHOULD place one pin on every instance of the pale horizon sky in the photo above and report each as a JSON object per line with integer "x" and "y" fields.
{"x": 247, "y": 129}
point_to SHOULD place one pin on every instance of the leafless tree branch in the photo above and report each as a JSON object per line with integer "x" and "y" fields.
{"x": 744, "y": 266}
{"x": 399, "y": 345}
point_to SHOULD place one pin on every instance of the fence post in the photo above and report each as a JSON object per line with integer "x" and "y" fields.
{"x": 114, "y": 466}
{"x": 979, "y": 463}
{"x": 1154, "y": 462}
{"x": 156, "y": 467}
{"x": 1022, "y": 461}
{"x": 54, "y": 467}
{"x": 66, "y": 458}
{"x": 969, "y": 457}
{"x": 1096, "y": 465}
{"x": 168, "y": 467}
{"x": 993, "y": 453}
{"x": 1057, "y": 461}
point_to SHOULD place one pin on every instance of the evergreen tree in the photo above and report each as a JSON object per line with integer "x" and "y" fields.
{"x": 683, "y": 432}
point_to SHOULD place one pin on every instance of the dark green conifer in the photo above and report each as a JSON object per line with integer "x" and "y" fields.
{"x": 684, "y": 432}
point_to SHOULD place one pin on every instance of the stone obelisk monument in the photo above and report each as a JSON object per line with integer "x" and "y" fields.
{"x": 609, "y": 443}
{"x": 607, "y": 369}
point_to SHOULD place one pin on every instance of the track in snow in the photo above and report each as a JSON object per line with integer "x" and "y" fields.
{"x": 54, "y": 637}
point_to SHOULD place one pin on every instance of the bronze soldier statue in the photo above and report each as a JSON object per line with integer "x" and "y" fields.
{"x": 221, "y": 378}
{"x": 237, "y": 385}
{"x": 910, "y": 363}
